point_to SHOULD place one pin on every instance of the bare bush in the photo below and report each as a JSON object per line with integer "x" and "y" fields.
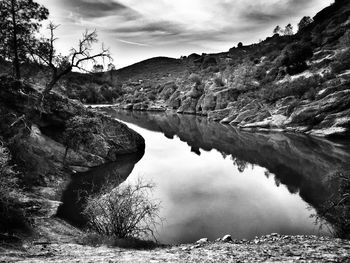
{"x": 124, "y": 212}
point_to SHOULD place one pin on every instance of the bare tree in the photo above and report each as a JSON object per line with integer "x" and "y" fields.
{"x": 44, "y": 52}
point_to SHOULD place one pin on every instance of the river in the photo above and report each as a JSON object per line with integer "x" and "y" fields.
{"x": 213, "y": 179}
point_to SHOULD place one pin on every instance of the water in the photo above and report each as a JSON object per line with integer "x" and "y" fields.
{"x": 213, "y": 180}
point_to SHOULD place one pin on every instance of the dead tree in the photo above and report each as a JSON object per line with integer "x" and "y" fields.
{"x": 45, "y": 53}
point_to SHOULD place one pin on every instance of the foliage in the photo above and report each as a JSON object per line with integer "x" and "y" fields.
{"x": 240, "y": 45}
{"x": 297, "y": 88}
{"x": 19, "y": 21}
{"x": 294, "y": 57}
{"x": 304, "y": 22}
{"x": 124, "y": 212}
{"x": 288, "y": 30}
{"x": 80, "y": 131}
{"x": 195, "y": 78}
{"x": 278, "y": 30}
{"x": 342, "y": 62}
{"x": 345, "y": 39}
{"x": 209, "y": 61}
{"x": 11, "y": 215}
{"x": 336, "y": 210}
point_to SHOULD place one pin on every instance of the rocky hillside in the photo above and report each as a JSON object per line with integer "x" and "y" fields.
{"x": 298, "y": 83}
{"x": 45, "y": 140}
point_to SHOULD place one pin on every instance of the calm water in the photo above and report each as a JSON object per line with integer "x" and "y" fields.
{"x": 213, "y": 180}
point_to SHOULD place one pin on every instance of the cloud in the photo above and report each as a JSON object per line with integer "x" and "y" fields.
{"x": 89, "y": 9}
{"x": 171, "y": 26}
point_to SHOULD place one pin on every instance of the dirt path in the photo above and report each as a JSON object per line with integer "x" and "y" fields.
{"x": 271, "y": 248}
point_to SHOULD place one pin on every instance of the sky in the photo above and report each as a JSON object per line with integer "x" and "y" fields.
{"x": 135, "y": 30}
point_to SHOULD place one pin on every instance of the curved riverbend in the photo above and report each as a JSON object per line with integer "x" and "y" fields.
{"x": 213, "y": 179}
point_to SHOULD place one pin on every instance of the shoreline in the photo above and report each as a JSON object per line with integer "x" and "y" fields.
{"x": 267, "y": 248}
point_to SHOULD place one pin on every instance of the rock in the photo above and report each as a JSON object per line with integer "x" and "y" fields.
{"x": 218, "y": 115}
{"x": 324, "y": 117}
{"x": 225, "y": 96}
{"x": 195, "y": 92}
{"x": 168, "y": 89}
{"x": 202, "y": 241}
{"x": 43, "y": 150}
{"x": 174, "y": 101}
{"x": 141, "y": 106}
{"x": 275, "y": 121}
{"x": 188, "y": 106}
{"x": 209, "y": 102}
{"x": 227, "y": 238}
{"x": 128, "y": 106}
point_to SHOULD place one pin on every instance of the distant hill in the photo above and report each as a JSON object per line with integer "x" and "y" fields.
{"x": 154, "y": 68}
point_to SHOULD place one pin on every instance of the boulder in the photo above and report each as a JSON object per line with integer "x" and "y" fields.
{"x": 202, "y": 241}
{"x": 43, "y": 148}
{"x": 226, "y": 238}
{"x": 275, "y": 121}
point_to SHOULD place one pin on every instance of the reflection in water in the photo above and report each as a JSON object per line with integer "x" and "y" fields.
{"x": 203, "y": 196}
{"x": 83, "y": 184}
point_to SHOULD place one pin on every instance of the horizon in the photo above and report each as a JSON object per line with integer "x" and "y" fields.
{"x": 133, "y": 34}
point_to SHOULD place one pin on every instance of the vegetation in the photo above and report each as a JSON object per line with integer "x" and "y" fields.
{"x": 336, "y": 210}
{"x": 45, "y": 53}
{"x": 124, "y": 212}
{"x": 12, "y": 216}
{"x": 19, "y": 21}
{"x": 80, "y": 131}
{"x": 195, "y": 78}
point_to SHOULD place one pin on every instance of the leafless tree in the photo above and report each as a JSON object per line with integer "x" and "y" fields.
{"x": 124, "y": 212}
{"x": 44, "y": 52}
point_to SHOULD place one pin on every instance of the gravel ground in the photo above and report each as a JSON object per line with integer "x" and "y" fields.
{"x": 270, "y": 248}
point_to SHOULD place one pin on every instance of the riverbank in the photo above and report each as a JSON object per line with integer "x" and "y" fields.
{"x": 270, "y": 248}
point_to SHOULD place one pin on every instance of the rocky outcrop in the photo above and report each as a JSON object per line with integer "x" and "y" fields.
{"x": 36, "y": 127}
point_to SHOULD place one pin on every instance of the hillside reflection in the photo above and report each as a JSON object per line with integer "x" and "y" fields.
{"x": 300, "y": 162}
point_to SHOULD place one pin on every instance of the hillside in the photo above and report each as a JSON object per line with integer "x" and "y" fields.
{"x": 296, "y": 83}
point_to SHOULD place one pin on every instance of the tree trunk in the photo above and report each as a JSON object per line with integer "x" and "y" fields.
{"x": 17, "y": 71}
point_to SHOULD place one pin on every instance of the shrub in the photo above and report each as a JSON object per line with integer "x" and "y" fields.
{"x": 123, "y": 212}
{"x": 294, "y": 57}
{"x": 209, "y": 61}
{"x": 195, "y": 78}
{"x": 80, "y": 131}
{"x": 336, "y": 210}
{"x": 342, "y": 62}
{"x": 12, "y": 216}
{"x": 296, "y": 88}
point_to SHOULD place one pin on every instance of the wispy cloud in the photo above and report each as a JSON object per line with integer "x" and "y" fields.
{"x": 182, "y": 25}
{"x": 132, "y": 43}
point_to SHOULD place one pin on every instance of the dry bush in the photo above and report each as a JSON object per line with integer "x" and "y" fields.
{"x": 126, "y": 211}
